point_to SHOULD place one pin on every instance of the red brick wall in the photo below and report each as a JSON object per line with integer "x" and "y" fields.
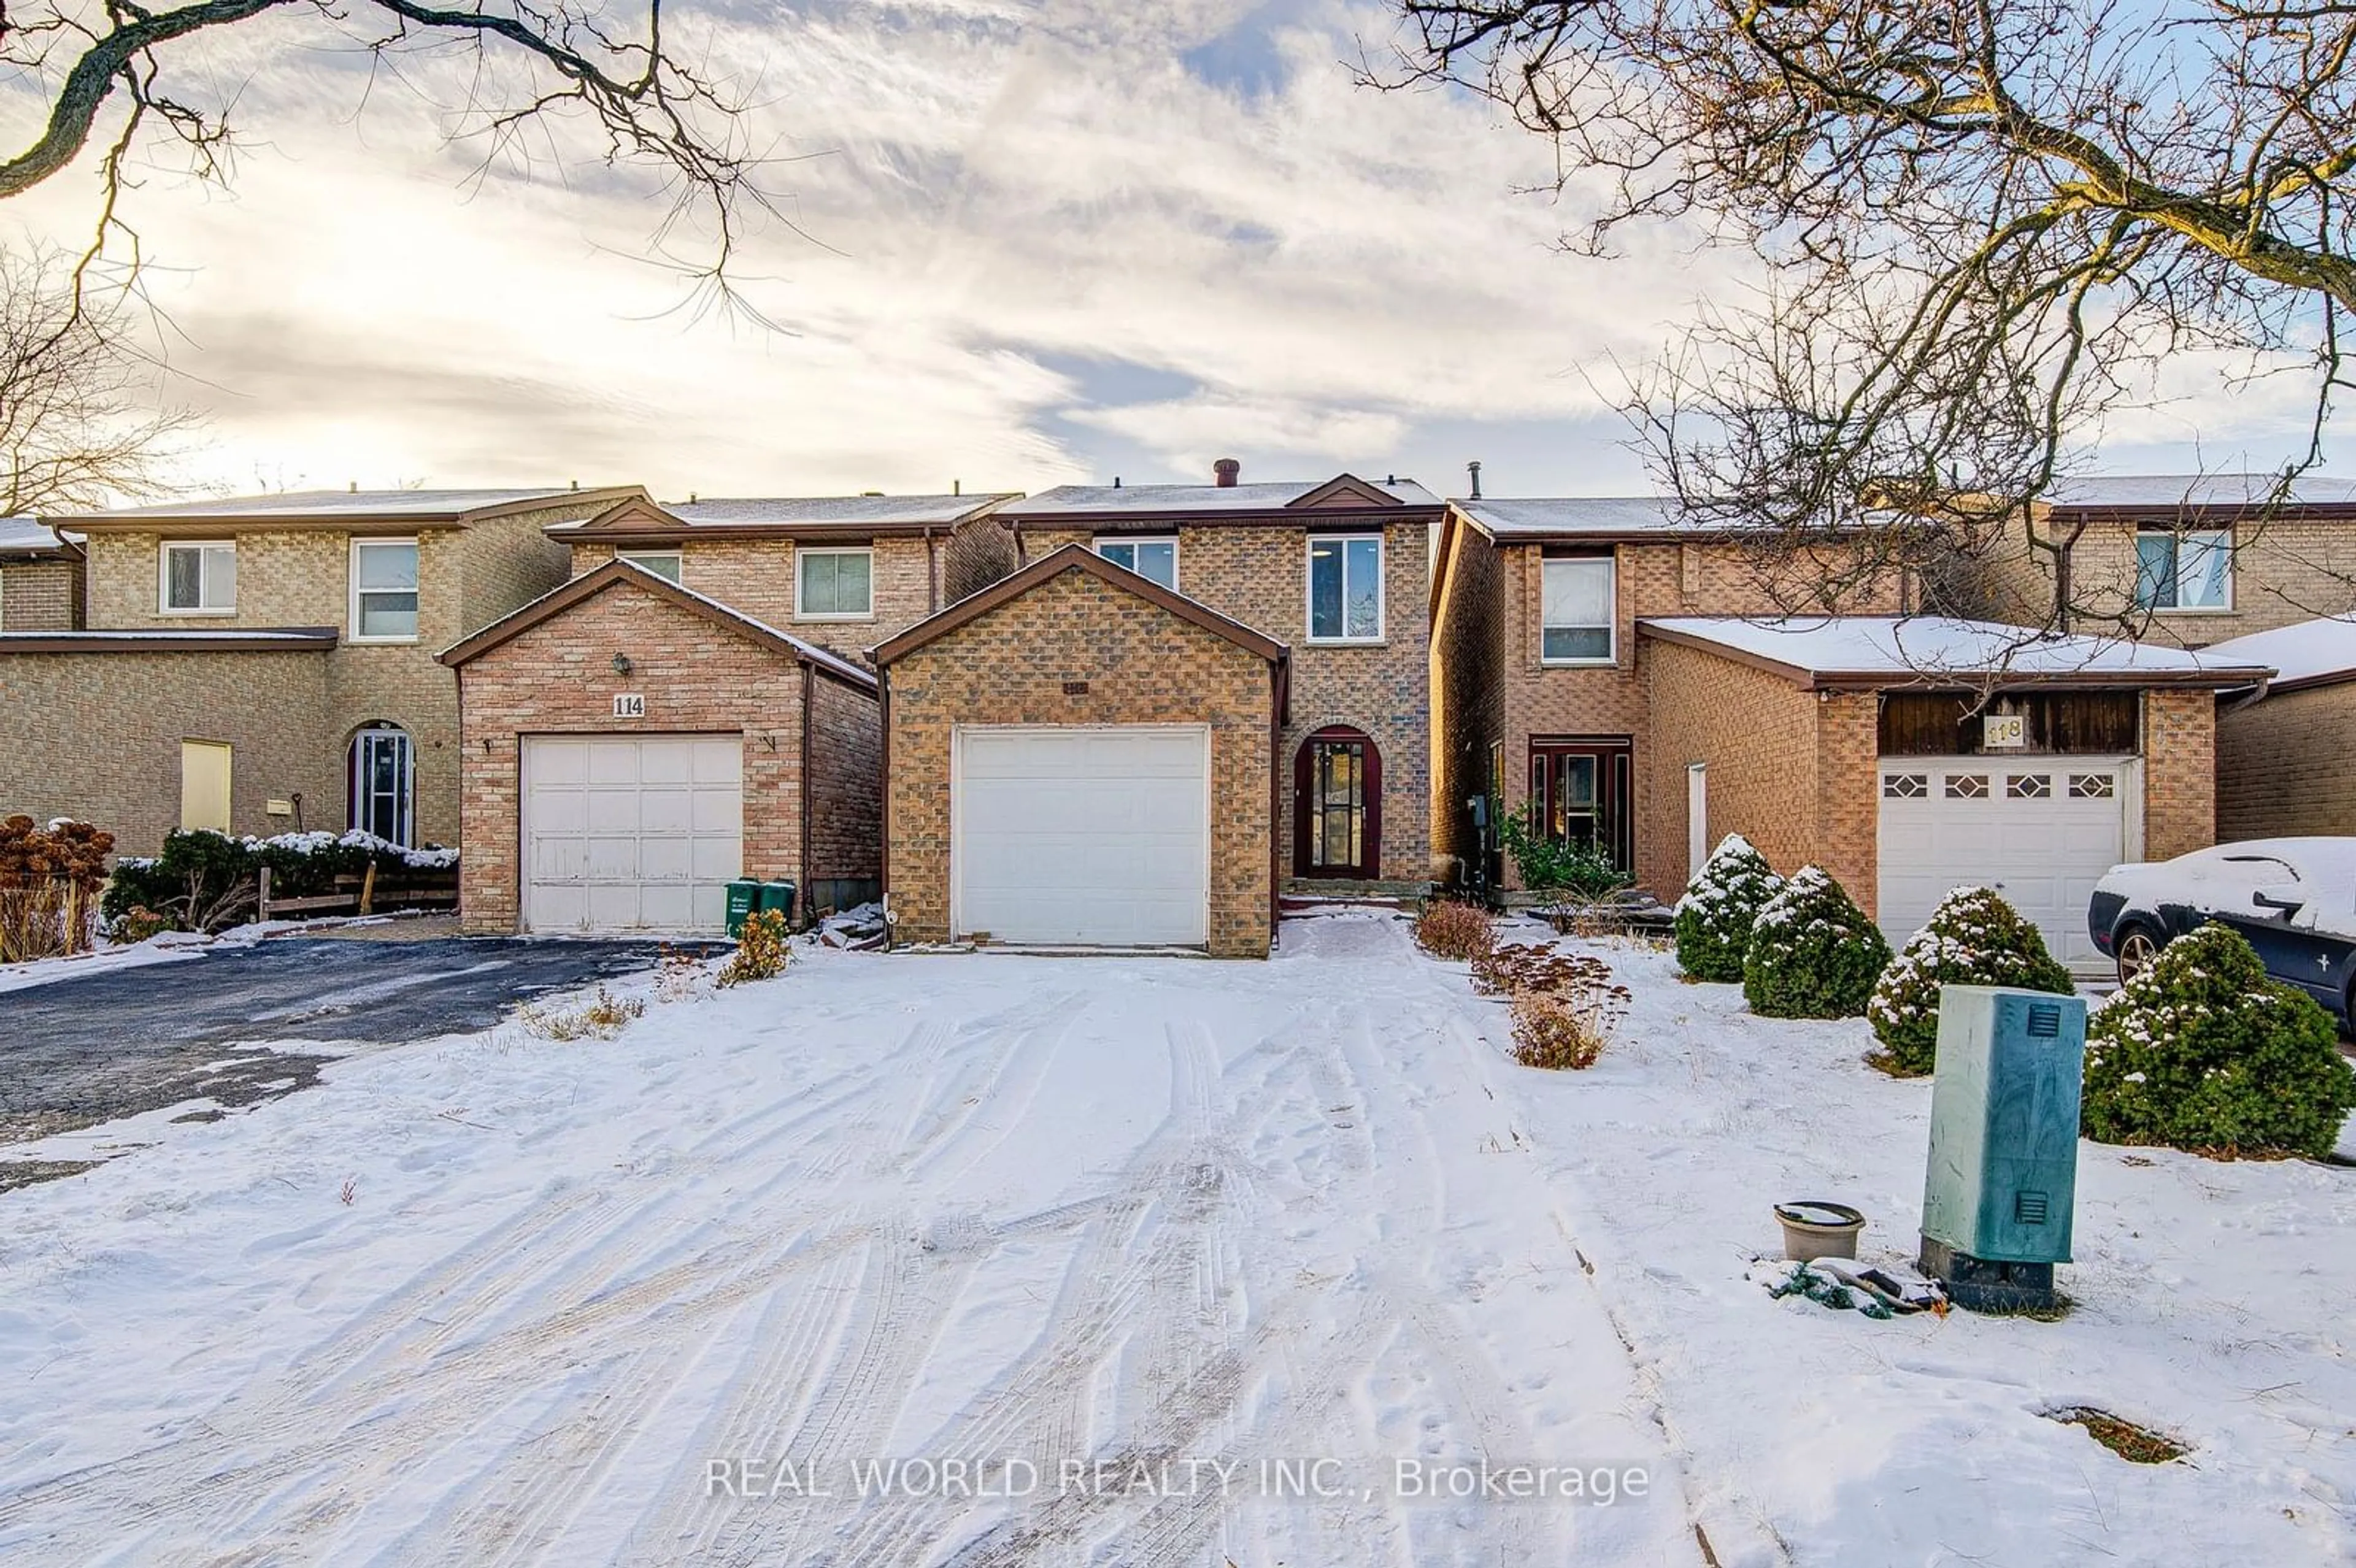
{"x": 2286, "y": 767}
{"x": 2180, "y": 772}
{"x": 696, "y": 676}
{"x": 1142, "y": 666}
{"x": 98, "y": 736}
{"x": 41, "y": 596}
{"x": 846, "y": 762}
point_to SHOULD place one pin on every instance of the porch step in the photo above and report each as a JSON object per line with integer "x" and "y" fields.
{"x": 1304, "y": 895}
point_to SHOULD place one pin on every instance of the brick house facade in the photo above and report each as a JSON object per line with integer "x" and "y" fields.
{"x": 1244, "y": 550}
{"x": 1072, "y": 642}
{"x": 40, "y": 578}
{"x": 2283, "y": 747}
{"x": 268, "y": 664}
{"x": 804, "y": 722}
{"x": 922, "y": 552}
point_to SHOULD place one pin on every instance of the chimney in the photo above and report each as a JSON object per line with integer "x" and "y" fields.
{"x": 1227, "y": 470}
{"x": 1474, "y": 468}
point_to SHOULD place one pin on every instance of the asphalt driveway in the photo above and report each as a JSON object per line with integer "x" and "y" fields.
{"x": 241, "y": 1025}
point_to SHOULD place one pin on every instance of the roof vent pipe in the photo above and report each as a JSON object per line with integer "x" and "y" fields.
{"x": 355, "y": 487}
{"x": 1474, "y": 468}
{"x": 1228, "y": 471}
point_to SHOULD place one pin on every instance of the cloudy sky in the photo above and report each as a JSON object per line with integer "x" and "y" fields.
{"x": 1040, "y": 241}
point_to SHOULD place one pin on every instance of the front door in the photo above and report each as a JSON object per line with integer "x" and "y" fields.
{"x": 1337, "y": 787}
{"x": 382, "y": 783}
{"x": 1580, "y": 791}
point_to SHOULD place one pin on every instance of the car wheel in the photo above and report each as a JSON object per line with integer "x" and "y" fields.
{"x": 2136, "y": 946}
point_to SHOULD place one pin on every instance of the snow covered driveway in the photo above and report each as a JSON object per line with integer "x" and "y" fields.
{"x": 997, "y": 1209}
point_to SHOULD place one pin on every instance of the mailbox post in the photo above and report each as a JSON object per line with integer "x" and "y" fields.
{"x": 2001, "y": 1185}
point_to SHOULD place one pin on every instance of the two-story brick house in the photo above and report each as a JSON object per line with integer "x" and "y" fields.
{"x": 40, "y": 578}
{"x": 1204, "y": 693}
{"x": 263, "y": 662}
{"x": 694, "y": 705}
{"x": 1638, "y": 685}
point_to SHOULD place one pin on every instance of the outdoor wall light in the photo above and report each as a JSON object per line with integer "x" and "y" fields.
{"x": 621, "y": 663}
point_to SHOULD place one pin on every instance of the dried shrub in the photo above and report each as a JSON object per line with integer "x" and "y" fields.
{"x": 1446, "y": 929}
{"x": 2203, "y": 1051}
{"x": 1556, "y": 1032}
{"x": 679, "y": 975}
{"x": 600, "y": 1018}
{"x": 49, "y": 881}
{"x": 2136, "y": 1445}
{"x": 761, "y": 950}
{"x": 137, "y": 923}
{"x": 1528, "y": 966}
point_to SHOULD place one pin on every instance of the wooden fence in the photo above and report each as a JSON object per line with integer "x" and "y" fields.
{"x": 367, "y": 893}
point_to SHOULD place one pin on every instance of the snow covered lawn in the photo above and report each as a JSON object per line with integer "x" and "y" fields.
{"x": 1143, "y": 1212}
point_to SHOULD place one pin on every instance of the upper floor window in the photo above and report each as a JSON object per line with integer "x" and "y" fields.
{"x": 2184, "y": 571}
{"x": 384, "y": 591}
{"x": 199, "y": 579}
{"x": 1576, "y": 610}
{"x": 1345, "y": 587}
{"x": 1153, "y": 560}
{"x": 663, "y": 563}
{"x": 834, "y": 584}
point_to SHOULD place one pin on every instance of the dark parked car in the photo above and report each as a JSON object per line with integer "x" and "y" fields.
{"x": 2295, "y": 899}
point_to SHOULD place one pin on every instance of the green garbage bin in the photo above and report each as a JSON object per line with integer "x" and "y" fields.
{"x": 744, "y": 897}
{"x": 779, "y": 896}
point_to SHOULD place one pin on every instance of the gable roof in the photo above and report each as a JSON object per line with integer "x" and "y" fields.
{"x": 1280, "y": 501}
{"x": 2321, "y": 652}
{"x": 629, "y": 574}
{"x": 790, "y": 516}
{"x": 2198, "y": 492}
{"x": 1053, "y": 564}
{"x": 348, "y": 509}
{"x": 1869, "y": 652}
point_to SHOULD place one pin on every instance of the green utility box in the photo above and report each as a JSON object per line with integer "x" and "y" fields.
{"x": 744, "y": 897}
{"x": 779, "y": 896}
{"x": 2001, "y": 1186}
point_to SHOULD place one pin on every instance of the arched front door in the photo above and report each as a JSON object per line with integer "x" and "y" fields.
{"x": 1337, "y": 806}
{"x": 384, "y": 783}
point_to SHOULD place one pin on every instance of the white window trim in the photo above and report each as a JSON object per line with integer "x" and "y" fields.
{"x": 2180, "y": 536}
{"x": 805, "y": 552}
{"x": 676, "y": 556}
{"x": 1611, "y": 626}
{"x": 1308, "y": 590}
{"x": 352, "y": 595}
{"x": 164, "y": 576}
{"x": 1171, "y": 539}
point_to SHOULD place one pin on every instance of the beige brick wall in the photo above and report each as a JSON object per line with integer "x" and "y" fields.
{"x": 1143, "y": 666}
{"x": 1496, "y": 623}
{"x": 698, "y": 677}
{"x": 756, "y": 577}
{"x": 976, "y": 555}
{"x": 2287, "y": 570}
{"x": 2180, "y": 772}
{"x": 2286, "y": 767}
{"x": 98, "y": 736}
{"x": 41, "y": 596}
{"x": 846, "y": 743}
{"x": 1260, "y": 576}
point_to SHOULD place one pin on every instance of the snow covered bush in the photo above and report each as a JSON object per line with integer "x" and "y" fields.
{"x": 206, "y": 880}
{"x": 1814, "y": 953}
{"x": 1973, "y": 938}
{"x": 2203, "y": 1051}
{"x": 1714, "y": 918}
{"x": 1446, "y": 929}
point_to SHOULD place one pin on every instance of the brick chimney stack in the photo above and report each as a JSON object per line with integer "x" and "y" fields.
{"x": 1227, "y": 470}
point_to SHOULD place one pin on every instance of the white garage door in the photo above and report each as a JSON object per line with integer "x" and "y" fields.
{"x": 2039, "y": 830}
{"x": 1084, "y": 835}
{"x": 631, "y": 832}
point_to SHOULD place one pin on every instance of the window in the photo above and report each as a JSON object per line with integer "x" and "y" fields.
{"x": 1967, "y": 786}
{"x": 1577, "y": 611}
{"x": 1153, "y": 560}
{"x": 834, "y": 584}
{"x": 2093, "y": 786}
{"x": 2184, "y": 571}
{"x": 2029, "y": 786}
{"x": 1345, "y": 588}
{"x": 199, "y": 579}
{"x": 384, "y": 591}
{"x": 1905, "y": 787}
{"x": 663, "y": 563}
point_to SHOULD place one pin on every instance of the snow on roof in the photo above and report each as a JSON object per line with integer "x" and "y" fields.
{"x": 345, "y": 503}
{"x": 1269, "y": 497}
{"x": 2173, "y": 490}
{"x": 1870, "y": 646}
{"x": 883, "y": 510}
{"x": 21, "y": 534}
{"x": 1575, "y": 514}
{"x": 2309, "y": 653}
